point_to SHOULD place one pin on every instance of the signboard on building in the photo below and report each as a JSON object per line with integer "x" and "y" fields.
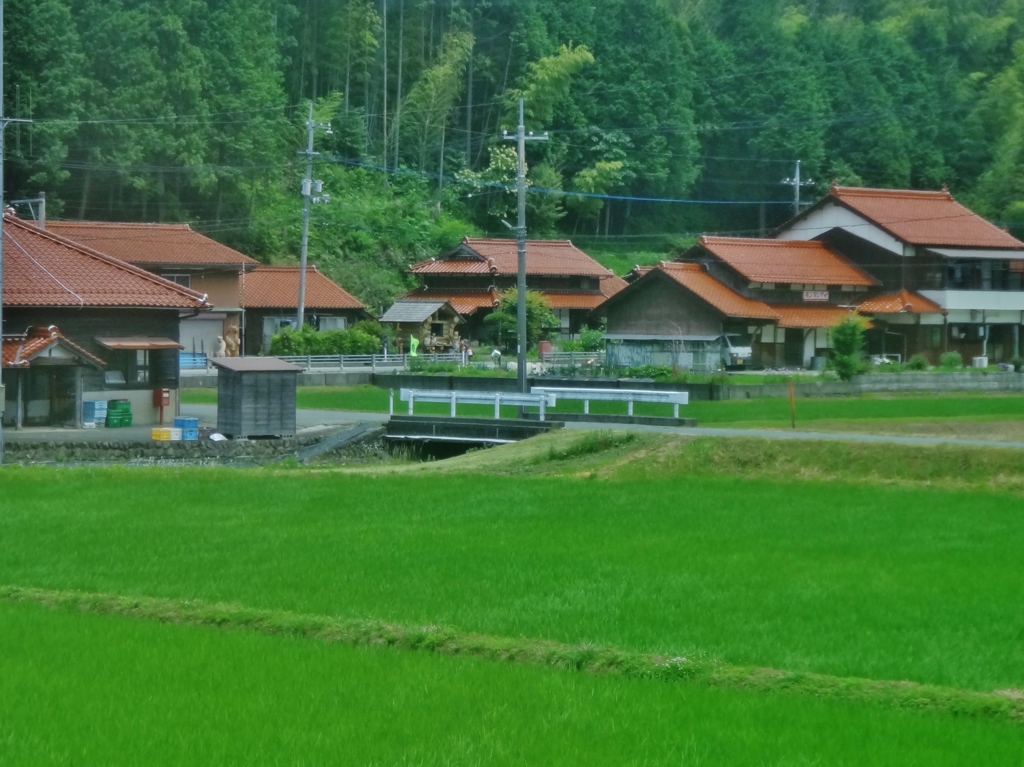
{"x": 815, "y": 295}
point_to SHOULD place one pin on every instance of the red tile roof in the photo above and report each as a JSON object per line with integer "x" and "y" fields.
{"x": 903, "y": 301}
{"x": 791, "y": 316}
{"x": 498, "y": 256}
{"x": 924, "y": 218}
{"x": 42, "y": 268}
{"x": 694, "y": 278}
{"x": 151, "y": 244}
{"x": 277, "y": 287}
{"x": 18, "y": 351}
{"x": 465, "y": 302}
{"x": 786, "y": 261}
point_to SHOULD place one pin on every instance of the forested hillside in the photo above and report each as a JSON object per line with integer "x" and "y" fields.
{"x": 666, "y": 118}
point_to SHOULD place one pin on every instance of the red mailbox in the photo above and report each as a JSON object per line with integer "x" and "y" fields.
{"x": 161, "y": 399}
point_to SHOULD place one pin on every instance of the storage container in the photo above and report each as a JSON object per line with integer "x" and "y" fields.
{"x": 175, "y": 435}
{"x": 161, "y": 434}
{"x": 190, "y": 435}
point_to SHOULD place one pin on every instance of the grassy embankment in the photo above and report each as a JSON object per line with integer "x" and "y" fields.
{"x": 775, "y": 606}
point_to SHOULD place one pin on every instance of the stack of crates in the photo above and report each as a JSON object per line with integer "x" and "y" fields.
{"x": 94, "y": 413}
{"x": 119, "y": 413}
{"x": 189, "y": 429}
{"x": 161, "y": 434}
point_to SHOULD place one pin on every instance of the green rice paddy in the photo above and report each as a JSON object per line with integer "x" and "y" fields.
{"x": 850, "y": 579}
{"x": 85, "y": 689}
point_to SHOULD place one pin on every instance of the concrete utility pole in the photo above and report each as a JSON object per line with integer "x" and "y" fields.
{"x": 4, "y": 121}
{"x": 521, "y": 138}
{"x": 796, "y": 183}
{"x": 36, "y": 206}
{"x": 312, "y": 192}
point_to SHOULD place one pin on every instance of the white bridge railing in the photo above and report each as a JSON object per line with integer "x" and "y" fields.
{"x": 674, "y": 398}
{"x": 561, "y": 359}
{"x": 455, "y": 398}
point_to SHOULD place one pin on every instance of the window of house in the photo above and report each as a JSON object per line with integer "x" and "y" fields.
{"x": 185, "y": 280}
{"x": 796, "y": 286}
{"x": 142, "y": 366}
{"x": 331, "y": 323}
{"x": 934, "y": 337}
{"x": 437, "y": 328}
{"x": 769, "y": 286}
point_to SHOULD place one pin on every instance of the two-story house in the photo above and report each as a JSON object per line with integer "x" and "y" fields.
{"x": 951, "y": 280}
{"x": 471, "y": 276}
{"x": 182, "y": 255}
{"x": 777, "y": 297}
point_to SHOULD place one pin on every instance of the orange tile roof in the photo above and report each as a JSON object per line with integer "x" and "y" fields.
{"x": 801, "y": 316}
{"x": 42, "y": 268}
{"x": 903, "y": 301}
{"x": 786, "y": 261}
{"x": 18, "y": 351}
{"x": 277, "y": 287}
{"x": 465, "y": 302}
{"x": 151, "y": 244}
{"x": 694, "y": 278}
{"x": 924, "y": 218}
{"x": 500, "y": 256}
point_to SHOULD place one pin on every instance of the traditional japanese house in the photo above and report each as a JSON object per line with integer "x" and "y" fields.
{"x": 177, "y": 253}
{"x": 471, "y": 276}
{"x": 270, "y": 298}
{"x": 110, "y": 328}
{"x": 950, "y": 279}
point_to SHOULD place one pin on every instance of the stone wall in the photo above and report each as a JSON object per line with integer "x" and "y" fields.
{"x": 240, "y": 451}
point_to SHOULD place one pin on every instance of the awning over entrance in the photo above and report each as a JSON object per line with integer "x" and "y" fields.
{"x": 138, "y": 343}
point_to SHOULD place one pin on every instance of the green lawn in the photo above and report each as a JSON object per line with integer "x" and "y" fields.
{"x": 850, "y": 580}
{"x": 766, "y": 412}
{"x": 110, "y": 690}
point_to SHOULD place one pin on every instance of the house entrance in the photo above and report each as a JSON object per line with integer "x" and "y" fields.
{"x": 794, "y": 348}
{"x": 49, "y": 396}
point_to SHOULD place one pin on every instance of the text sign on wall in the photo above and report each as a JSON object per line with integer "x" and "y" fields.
{"x": 815, "y": 295}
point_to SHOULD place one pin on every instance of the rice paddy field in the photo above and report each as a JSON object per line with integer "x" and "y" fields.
{"x": 574, "y": 599}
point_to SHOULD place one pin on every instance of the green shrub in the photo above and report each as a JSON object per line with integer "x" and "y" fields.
{"x": 1018, "y": 363}
{"x": 917, "y": 363}
{"x": 848, "y": 347}
{"x": 951, "y": 361}
{"x": 591, "y": 340}
{"x": 291, "y": 342}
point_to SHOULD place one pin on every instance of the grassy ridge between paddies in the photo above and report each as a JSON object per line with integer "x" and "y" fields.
{"x": 764, "y": 412}
{"x": 838, "y": 578}
{"x": 110, "y": 690}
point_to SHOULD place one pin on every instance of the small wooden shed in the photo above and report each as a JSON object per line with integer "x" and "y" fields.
{"x": 255, "y": 396}
{"x": 433, "y": 323}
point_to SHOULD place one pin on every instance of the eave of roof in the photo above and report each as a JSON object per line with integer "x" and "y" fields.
{"x": 785, "y": 261}
{"x": 695, "y": 279}
{"x": 548, "y": 258}
{"x": 902, "y": 302}
{"x": 277, "y": 287}
{"x": 808, "y": 317}
{"x": 19, "y": 350}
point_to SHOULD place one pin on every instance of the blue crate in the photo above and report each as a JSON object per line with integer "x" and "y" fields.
{"x": 186, "y": 423}
{"x": 190, "y": 435}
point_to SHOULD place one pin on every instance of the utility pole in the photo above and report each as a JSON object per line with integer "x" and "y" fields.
{"x": 312, "y": 192}
{"x": 796, "y": 183}
{"x": 4, "y": 121}
{"x": 36, "y": 206}
{"x": 521, "y": 138}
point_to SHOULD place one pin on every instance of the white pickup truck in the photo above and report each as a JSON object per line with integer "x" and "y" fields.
{"x": 736, "y": 350}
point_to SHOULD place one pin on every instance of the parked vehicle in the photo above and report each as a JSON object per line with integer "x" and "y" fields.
{"x": 737, "y": 351}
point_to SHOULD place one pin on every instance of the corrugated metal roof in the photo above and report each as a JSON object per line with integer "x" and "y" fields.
{"x": 411, "y": 311}
{"x": 255, "y": 365}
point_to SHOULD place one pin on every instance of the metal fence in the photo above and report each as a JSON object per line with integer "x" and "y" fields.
{"x": 561, "y": 359}
{"x": 371, "y": 361}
